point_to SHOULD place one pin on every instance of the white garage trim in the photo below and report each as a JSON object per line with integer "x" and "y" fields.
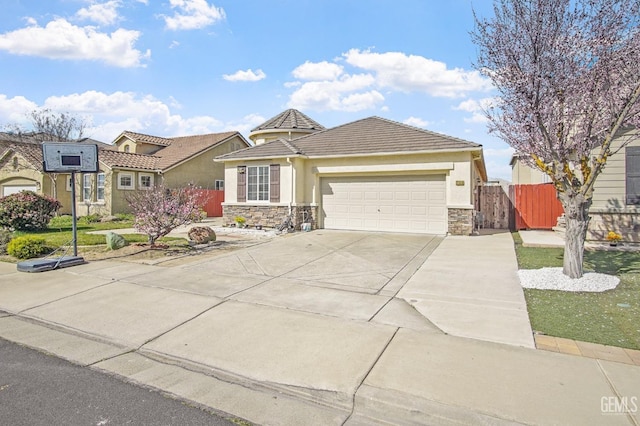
{"x": 14, "y": 189}
{"x": 385, "y": 203}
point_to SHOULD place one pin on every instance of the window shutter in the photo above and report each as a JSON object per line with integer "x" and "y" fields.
{"x": 242, "y": 184}
{"x": 632, "y": 165}
{"x": 274, "y": 183}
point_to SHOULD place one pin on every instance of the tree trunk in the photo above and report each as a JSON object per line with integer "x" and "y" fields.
{"x": 576, "y": 210}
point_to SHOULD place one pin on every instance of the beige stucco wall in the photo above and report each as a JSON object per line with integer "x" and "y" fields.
{"x": 301, "y": 178}
{"x": 264, "y": 136}
{"x": 521, "y": 174}
{"x": 202, "y": 171}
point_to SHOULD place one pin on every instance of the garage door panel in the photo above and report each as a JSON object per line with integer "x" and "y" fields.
{"x": 391, "y": 203}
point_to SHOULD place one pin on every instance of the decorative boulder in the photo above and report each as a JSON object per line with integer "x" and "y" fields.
{"x": 115, "y": 241}
{"x": 202, "y": 234}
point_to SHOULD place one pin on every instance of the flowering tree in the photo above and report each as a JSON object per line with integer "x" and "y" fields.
{"x": 568, "y": 77}
{"x": 160, "y": 210}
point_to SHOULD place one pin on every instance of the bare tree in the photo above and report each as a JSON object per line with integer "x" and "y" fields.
{"x": 49, "y": 126}
{"x": 568, "y": 77}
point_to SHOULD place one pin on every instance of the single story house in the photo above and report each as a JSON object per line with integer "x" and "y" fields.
{"x": 133, "y": 161}
{"x": 372, "y": 174}
{"x": 616, "y": 194}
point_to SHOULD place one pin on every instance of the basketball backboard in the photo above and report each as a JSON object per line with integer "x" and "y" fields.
{"x": 69, "y": 157}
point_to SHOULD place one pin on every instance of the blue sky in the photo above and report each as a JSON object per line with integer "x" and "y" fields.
{"x": 180, "y": 67}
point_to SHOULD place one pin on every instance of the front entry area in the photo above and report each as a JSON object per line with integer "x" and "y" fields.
{"x": 415, "y": 204}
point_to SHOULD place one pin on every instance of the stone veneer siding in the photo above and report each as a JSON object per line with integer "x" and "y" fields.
{"x": 460, "y": 221}
{"x": 269, "y": 216}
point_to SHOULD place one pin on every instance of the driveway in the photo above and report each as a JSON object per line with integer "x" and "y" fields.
{"x": 307, "y": 318}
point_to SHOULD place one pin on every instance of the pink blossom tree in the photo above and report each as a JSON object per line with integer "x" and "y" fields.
{"x": 567, "y": 74}
{"x": 159, "y": 210}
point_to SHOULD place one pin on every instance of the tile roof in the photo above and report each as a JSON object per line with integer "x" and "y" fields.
{"x": 369, "y": 136}
{"x": 141, "y": 137}
{"x": 289, "y": 119}
{"x": 128, "y": 160}
{"x": 174, "y": 150}
{"x": 184, "y": 147}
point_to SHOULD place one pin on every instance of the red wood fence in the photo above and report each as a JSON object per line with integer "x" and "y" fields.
{"x": 535, "y": 206}
{"x": 214, "y": 200}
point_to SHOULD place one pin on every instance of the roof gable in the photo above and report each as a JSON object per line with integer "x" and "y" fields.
{"x": 369, "y": 136}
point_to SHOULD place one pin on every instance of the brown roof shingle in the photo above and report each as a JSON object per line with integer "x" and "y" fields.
{"x": 290, "y": 119}
{"x": 369, "y": 136}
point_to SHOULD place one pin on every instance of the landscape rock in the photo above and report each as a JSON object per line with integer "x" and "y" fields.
{"x": 115, "y": 241}
{"x": 202, "y": 234}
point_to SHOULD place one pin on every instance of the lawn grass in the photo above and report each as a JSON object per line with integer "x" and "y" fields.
{"x": 609, "y": 318}
{"x": 62, "y": 235}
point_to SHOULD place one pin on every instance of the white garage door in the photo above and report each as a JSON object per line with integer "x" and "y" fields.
{"x": 392, "y": 203}
{"x": 8, "y": 190}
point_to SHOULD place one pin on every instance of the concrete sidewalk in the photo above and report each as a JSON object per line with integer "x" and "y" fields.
{"x": 315, "y": 328}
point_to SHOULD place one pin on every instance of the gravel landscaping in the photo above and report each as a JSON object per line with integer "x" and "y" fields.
{"x": 554, "y": 279}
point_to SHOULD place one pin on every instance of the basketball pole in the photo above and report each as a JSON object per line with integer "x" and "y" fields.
{"x": 73, "y": 213}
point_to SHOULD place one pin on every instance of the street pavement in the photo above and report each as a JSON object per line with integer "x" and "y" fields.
{"x": 37, "y": 389}
{"x": 323, "y": 327}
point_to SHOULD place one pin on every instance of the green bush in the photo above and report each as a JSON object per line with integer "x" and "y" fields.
{"x": 5, "y": 237}
{"x": 27, "y": 211}
{"x": 90, "y": 218}
{"x": 27, "y": 247}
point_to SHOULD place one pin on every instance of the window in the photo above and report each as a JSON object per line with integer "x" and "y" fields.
{"x": 86, "y": 187}
{"x": 69, "y": 183}
{"x": 127, "y": 148}
{"x": 632, "y": 164}
{"x": 145, "y": 180}
{"x": 125, "y": 181}
{"x": 219, "y": 185}
{"x": 100, "y": 187}
{"x": 258, "y": 183}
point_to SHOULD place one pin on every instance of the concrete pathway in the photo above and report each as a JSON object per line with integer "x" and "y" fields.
{"x": 315, "y": 328}
{"x": 469, "y": 287}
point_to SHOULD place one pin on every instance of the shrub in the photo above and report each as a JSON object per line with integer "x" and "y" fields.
{"x": 27, "y": 247}
{"x": 90, "y": 218}
{"x": 5, "y": 237}
{"x": 27, "y": 210}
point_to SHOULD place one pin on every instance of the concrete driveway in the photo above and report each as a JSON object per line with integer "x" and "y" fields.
{"x": 313, "y": 328}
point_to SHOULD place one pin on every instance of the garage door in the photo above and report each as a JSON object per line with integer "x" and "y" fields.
{"x": 8, "y": 190}
{"x": 392, "y": 203}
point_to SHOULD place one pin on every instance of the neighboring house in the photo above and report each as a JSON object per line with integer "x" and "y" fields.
{"x": 289, "y": 124}
{"x": 21, "y": 168}
{"x": 372, "y": 174}
{"x": 616, "y": 195}
{"x": 134, "y": 161}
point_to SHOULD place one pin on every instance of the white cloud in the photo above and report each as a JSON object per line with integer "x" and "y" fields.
{"x": 109, "y": 114}
{"x": 247, "y": 75}
{"x": 476, "y": 107}
{"x": 349, "y": 93}
{"x": 192, "y": 15}
{"x": 317, "y": 71}
{"x": 174, "y": 44}
{"x": 416, "y": 122}
{"x": 60, "y": 39}
{"x": 14, "y": 110}
{"x": 101, "y": 13}
{"x": 412, "y": 73}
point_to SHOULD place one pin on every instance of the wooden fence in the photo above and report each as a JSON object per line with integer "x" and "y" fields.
{"x": 523, "y": 207}
{"x": 214, "y": 200}
{"x": 494, "y": 205}
{"x": 535, "y": 206}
